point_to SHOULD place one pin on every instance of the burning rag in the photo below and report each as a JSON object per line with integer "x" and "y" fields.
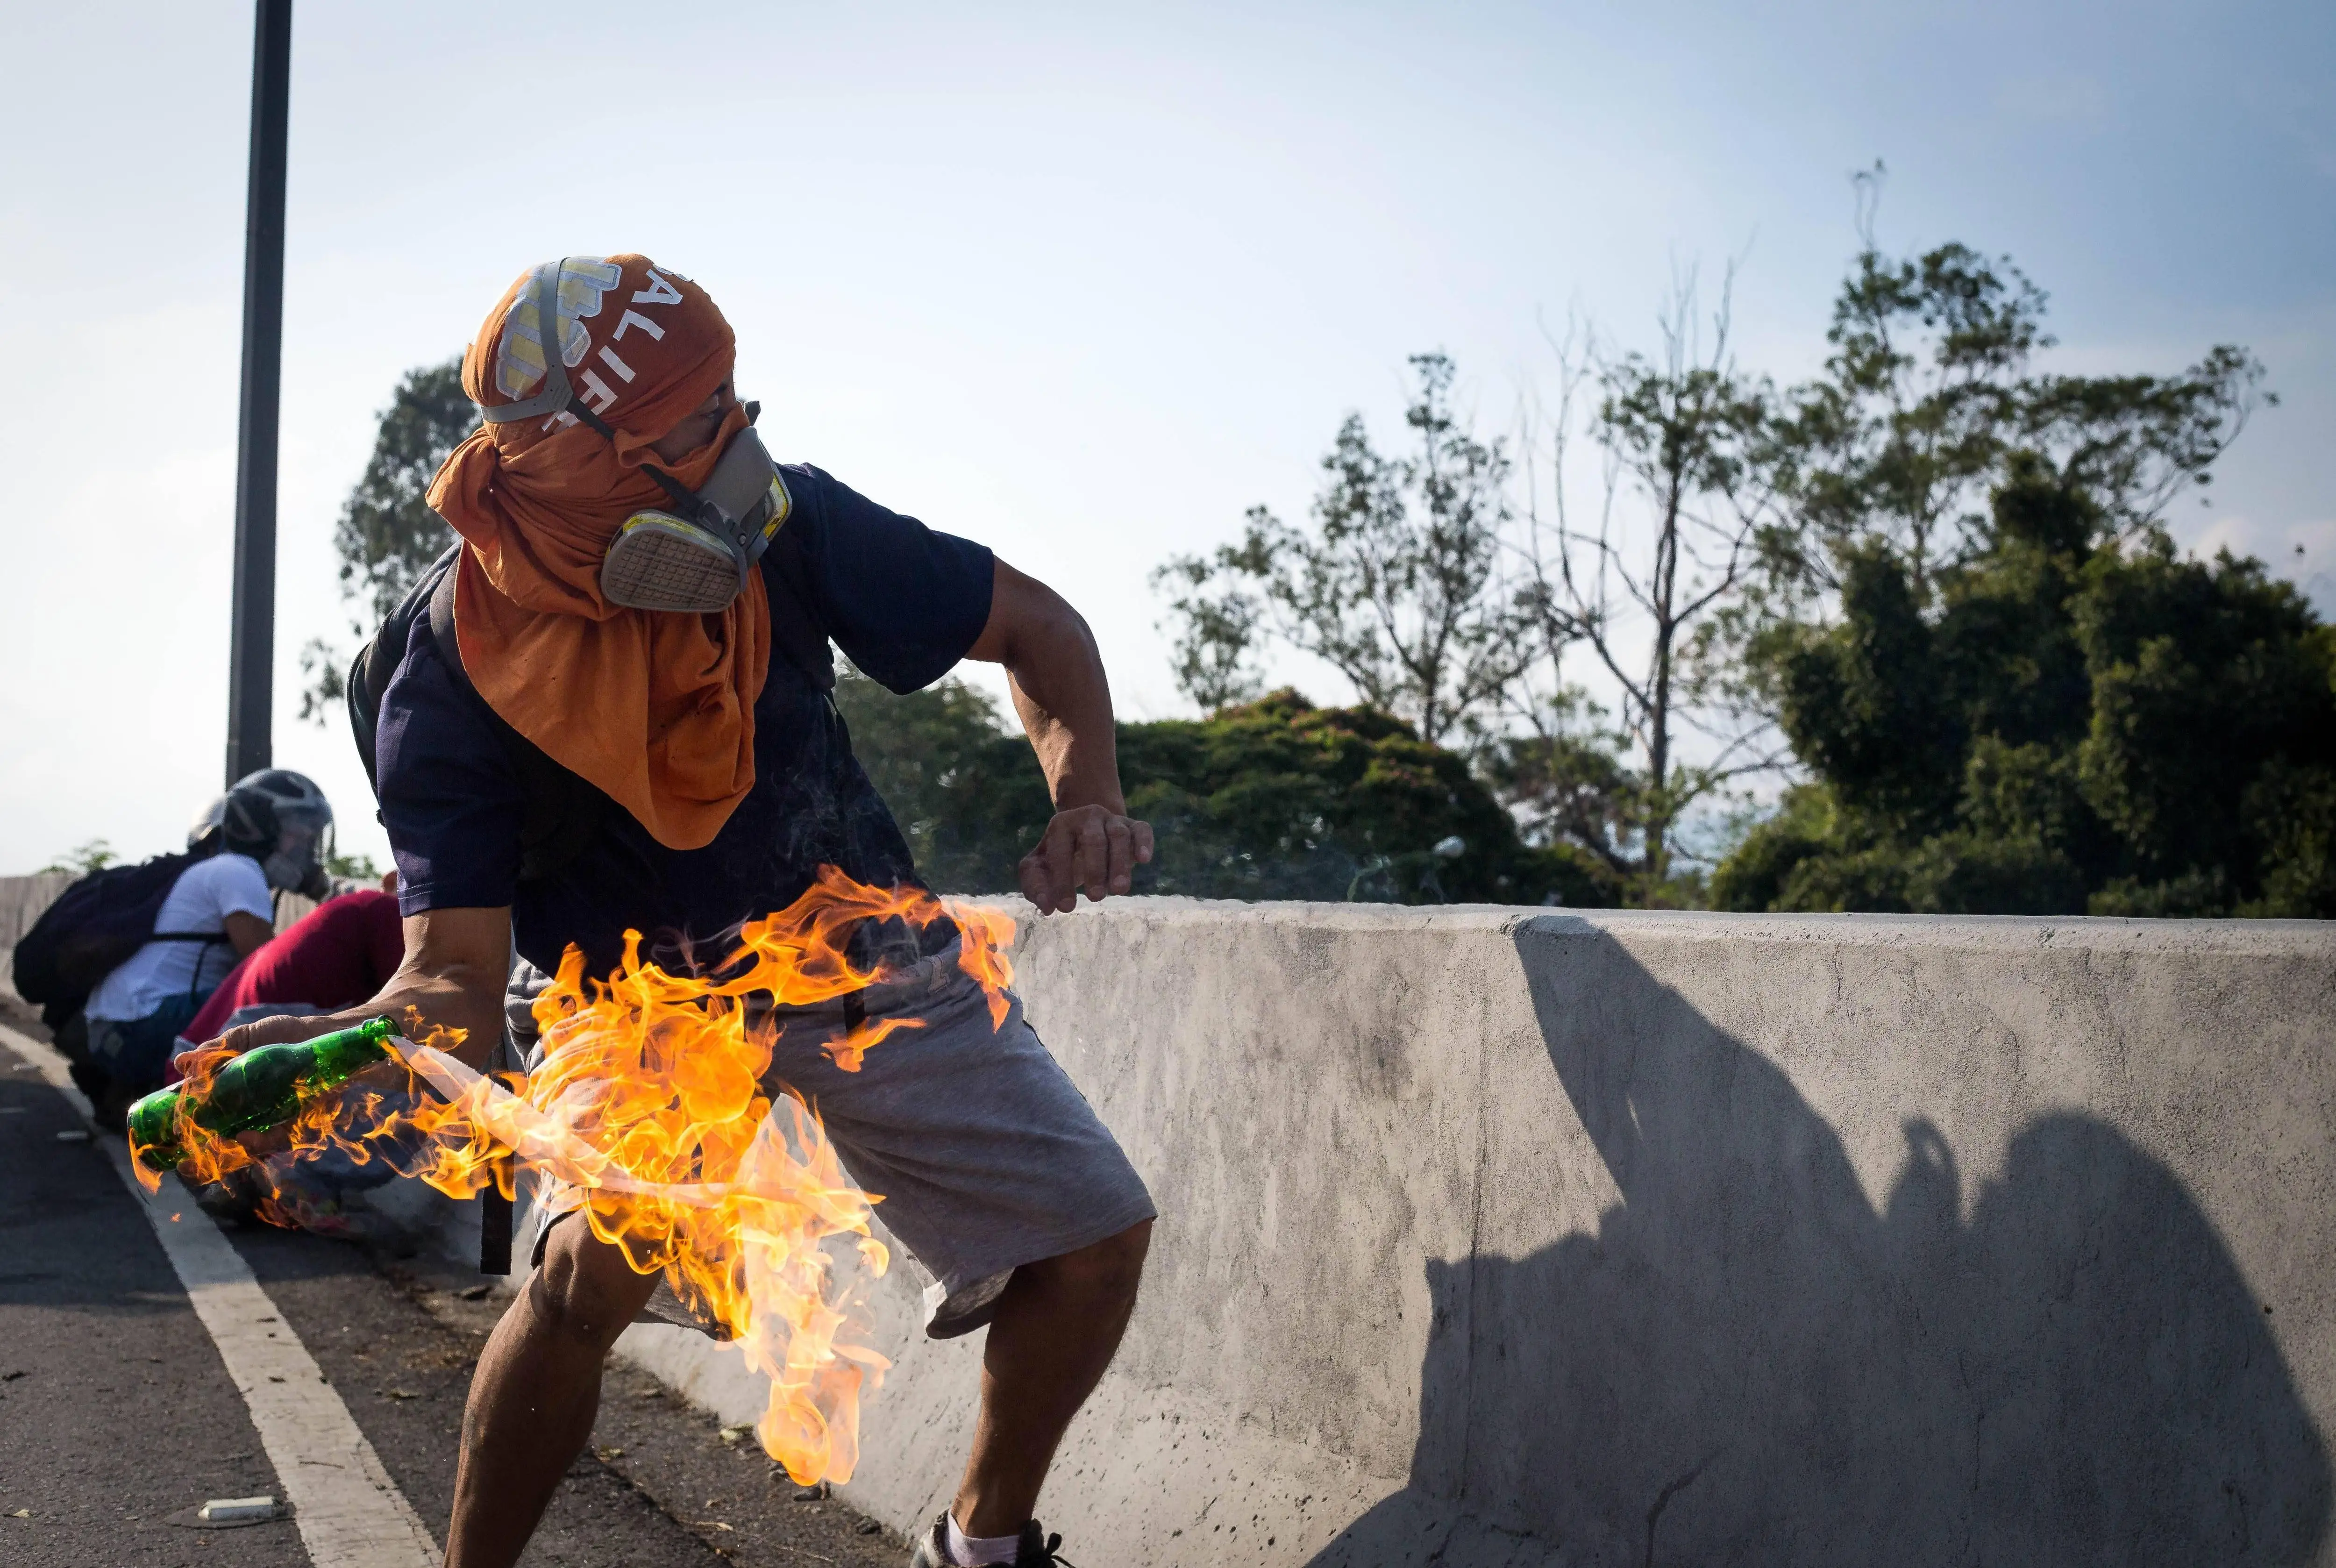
{"x": 657, "y": 710}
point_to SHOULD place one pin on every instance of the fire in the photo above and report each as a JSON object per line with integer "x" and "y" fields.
{"x": 650, "y": 1106}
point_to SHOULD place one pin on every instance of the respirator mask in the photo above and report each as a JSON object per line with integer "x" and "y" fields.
{"x": 693, "y": 558}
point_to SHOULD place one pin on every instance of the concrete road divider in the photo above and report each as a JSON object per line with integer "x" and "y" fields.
{"x": 1501, "y": 1237}
{"x": 1504, "y": 1237}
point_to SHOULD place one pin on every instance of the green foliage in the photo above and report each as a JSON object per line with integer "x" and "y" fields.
{"x": 1396, "y": 585}
{"x": 1928, "y": 395}
{"x": 92, "y": 856}
{"x": 1281, "y": 799}
{"x": 1571, "y": 786}
{"x": 2202, "y": 678}
{"x": 1651, "y": 585}
{"x": 1275, "y": 799}
{"x": 387, "y": 535}
{"x": 962, "y": 788}
{"x": 357, "y": 867}
{"x": 2081, "y": 725}
{"x": 1221, "y": 630}
{"x": 326, "y": 668}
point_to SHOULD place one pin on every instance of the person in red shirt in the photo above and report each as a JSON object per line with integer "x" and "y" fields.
{"x": 334, "y": 957}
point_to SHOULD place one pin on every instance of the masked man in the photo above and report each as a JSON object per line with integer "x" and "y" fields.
{"x": 656, "y": 668}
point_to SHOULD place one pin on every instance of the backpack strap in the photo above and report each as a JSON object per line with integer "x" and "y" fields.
{"x": 495, "y": 1219}
{"x": 563, "y": 811}
{"x": 376, "y": 662}
{"x": 209, "y": 941}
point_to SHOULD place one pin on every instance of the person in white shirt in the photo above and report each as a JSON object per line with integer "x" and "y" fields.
{"x": 272, "y": 830}
{"x": 226, "y": 898}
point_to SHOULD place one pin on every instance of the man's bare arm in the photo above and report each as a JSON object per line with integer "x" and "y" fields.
{"x": 457, "y": 964}
{"x": 1064, "y": 698}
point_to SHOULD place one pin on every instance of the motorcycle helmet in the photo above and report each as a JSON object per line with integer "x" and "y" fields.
{"x": 203, "y": 833}
{"x": 282, "y": 820}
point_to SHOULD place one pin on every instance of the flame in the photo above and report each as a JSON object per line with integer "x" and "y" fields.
{"x": 650, "y": 1104}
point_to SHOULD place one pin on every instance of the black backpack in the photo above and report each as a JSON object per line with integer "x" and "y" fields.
{"x": 93, "y": 929}
{"x": 563, "y": 812}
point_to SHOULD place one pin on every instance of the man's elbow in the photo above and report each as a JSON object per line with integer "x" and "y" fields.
{"x": 1031, "y": 626}
{"x": 1064, "y": 631}
{"x": 1049, "y": 628}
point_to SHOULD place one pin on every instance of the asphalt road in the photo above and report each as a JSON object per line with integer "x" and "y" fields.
{"x": 116, "y": 1412}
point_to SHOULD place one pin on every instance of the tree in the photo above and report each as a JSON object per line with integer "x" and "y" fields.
{"x": 387, "y": 535}
{"x": 95, "y": 855}
{"x": 2085, "y": 723}
{"x": 1278, "y": 799}
{"x": 1220, "y": 630}
{"x": 1927, "y": 393}
{"x": 1273, "y": 799}
{"x": 1566, "y": 784}
{"x": 1398, "y": 586}
{"x": 1684, "y": 441}
{"x": 958, "y": 783}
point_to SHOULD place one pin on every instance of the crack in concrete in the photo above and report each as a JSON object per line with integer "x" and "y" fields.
{"x": 1663, "y": 1498}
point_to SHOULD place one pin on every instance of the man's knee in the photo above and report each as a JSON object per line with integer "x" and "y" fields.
{"x": 585, "y": 1290}
{"x": 1108, "y": 1272}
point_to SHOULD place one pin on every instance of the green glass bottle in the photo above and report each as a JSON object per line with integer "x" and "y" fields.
{"x": 260, "y": 1088}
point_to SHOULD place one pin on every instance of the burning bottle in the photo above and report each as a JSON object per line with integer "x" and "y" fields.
{"x": 260, "y": 1088}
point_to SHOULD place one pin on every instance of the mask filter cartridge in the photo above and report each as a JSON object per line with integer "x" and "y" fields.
{"x": 664, "y": 561}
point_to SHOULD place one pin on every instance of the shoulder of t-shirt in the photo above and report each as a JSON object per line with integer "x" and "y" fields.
{"x": 233, "y": 882}
{"x": 821, "y": 498}
{"x": 805, "y": 479}
{"x": 809, "y": 491}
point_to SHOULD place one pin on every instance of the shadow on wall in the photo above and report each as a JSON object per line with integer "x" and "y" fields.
{"x": 1747, "y": 1365}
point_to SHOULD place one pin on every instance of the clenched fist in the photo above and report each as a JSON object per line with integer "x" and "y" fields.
{"x": 1088, "y": 847}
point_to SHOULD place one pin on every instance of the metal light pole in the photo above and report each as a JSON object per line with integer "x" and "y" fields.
{"x": 252, "y": 656}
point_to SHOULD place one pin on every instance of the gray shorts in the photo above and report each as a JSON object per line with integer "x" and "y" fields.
{"x": 985, "y": 1153}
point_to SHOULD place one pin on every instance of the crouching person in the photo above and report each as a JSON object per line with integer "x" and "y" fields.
{"x": 597, "y": 715}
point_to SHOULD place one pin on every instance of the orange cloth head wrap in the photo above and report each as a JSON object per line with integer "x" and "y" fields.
{"x": 657, "y": 709}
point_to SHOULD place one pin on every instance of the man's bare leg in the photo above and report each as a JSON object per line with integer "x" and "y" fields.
{"x": 536, "y": 1393}
{"x": 1056, "y": 1327}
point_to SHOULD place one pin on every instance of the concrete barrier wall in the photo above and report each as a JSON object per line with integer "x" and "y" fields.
{"x": 1496, "y": 1237}
{"x": 21, "y": 899}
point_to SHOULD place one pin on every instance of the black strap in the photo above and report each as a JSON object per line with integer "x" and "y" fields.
{"x": 208, "y": 938}
{"x": 495, "y": 1221}
{"x": 563, "y": 811}
{"x": 684, "y": 499}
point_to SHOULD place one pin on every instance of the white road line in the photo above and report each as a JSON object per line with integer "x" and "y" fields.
{"x": 349, "y": 1513}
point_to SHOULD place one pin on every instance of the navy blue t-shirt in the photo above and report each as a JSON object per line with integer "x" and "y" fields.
{"x": 903, "y": 600}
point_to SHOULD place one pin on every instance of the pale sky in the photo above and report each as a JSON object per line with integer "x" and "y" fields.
{"x": 1080, "y": 283}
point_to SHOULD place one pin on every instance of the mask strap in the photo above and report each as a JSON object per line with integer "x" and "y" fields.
{"x": 684, "y": 500}
{"x": 555, "y": 395}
